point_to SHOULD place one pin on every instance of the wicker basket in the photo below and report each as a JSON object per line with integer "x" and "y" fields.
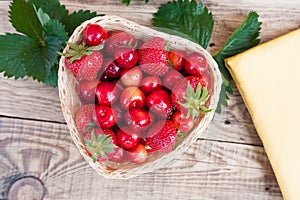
{"x": 70, "y": 100}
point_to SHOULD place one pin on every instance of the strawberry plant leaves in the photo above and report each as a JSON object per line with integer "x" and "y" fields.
{"x": 55, "y": 29}
{"x": 41, "y": 57}
{"x": 76, "y": 18}
{"x": 24, "y": 19}
{"x": 13, "y": 47}
{"x": 189, "y": 18}
{"x": 243, "y": 38}
{"x": 223, "y": 99}
{"x": 42, "y": 16}
{"x": 52, "y": 77}
{"x": 53, "y": 8}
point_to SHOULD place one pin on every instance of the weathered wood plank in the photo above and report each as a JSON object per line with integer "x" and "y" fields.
{"x": 209, "y": 169}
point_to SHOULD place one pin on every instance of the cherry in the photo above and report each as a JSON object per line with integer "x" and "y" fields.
{"x": 107, "y": 93}
{"x": 196, "y": 64}
{"x": 181, "y": 122}
{"x": 138, "y": 154}
{"x": 171, "y": 78}
{"x": 88, "y": 91}
{"x": 94, "y": 34}
{"x": 132, "y": 97}
{"x": 150, "y": 83}
{"x": 126, "y": 57}
{"x": 159, "y": 102}
{"x": 177, "y": 58}
{"x": 138, "y": 119}
{"x": 111, "y": 68}
{"x": 104, "y": 116}
{"x": 132, "y": 77}
{"x": 128, "y": 138}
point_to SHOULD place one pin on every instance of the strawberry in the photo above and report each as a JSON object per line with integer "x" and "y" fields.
{"x": 83, "y": 61}
{"x": 162, "y": 136}
{"x": 84, "y": 117}
{"x": 100, "y": 131}
{"x": 153, "y": 58}
{"x": 118, "y": 39}
{"x": 190, "y": 94}
{"x": 99, "y": 146}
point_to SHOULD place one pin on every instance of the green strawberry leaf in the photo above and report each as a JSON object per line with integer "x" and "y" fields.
{"x": 41, "y": 57}
{"x": 53, "y": 8}
{"x": 223, "y": 99}
{"x": 42, "y": 16}
{"x": 188, "y": 18}
{"x": 13, "y": 48}
{"x": 76, "y": 18}
{"x": 24, "y": 19}
{"x": 244, "y": 37}
{"x": 52, "y": 78}
{"x": 56, "y": 29}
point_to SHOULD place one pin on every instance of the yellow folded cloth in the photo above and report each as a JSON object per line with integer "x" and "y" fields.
{"x": 268, "y": 78}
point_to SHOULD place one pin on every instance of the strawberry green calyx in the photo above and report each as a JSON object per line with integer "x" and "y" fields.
{"x": 91, "y": 125}
{"x": 196, "y": 101}
{"x": 77, "y": 51}
{"x": 99, "y": 146}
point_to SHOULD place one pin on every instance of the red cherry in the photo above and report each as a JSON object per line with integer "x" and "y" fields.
{"x": 132, "y": 97}
{"x": 138, "y": 119}
{"x": 181, "y": 122}
{"x": 128, "y": 138}
{"x": 171, "y": 78}
{"x": 111, "y": 68}
{"x": 132, "y": 77}
{"x": 126, "y": 57}
{"x": 104, "y": 116}
{"x": 177, "y": 58}
{"x": 88, "y": 90}
{"x": 159, "y": 102}
{"x": 150, "y": 83}
{"x": 138, "y": 154}
{"x": 107, "y": 93}
{"x": 196, "y": 64}
{"x": 94, "y": 34}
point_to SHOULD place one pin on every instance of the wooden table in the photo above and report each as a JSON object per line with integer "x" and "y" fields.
{"x": 38, "y": 159}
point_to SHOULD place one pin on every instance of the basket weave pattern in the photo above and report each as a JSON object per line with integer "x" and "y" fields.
{"x": 70, "y": 100}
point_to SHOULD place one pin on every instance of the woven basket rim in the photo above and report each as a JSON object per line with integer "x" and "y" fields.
{"x": 66, "y": 83}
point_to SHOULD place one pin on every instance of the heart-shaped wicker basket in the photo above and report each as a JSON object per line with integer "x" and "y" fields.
{"x": 70, "y": 101}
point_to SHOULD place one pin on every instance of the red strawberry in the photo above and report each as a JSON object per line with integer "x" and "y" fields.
{"x": 118, "y": 39}
{"x": 162, "y": 136}
{"x": 101, "y": 145}
{"x": 118, "y": 153}
{"x": 153, "y": 58}
{"x": 83, "y": 61}
{"x": 84, "y": 117}
{"x": 100, "y": 131}
{"x": 190, "y": 94}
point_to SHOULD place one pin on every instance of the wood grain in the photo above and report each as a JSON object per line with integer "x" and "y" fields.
{"x": 227, "y": 162}
{"x": 210, "y": 169}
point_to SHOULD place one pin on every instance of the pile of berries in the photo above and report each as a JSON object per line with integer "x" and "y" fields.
{"x": 137, "y": 96}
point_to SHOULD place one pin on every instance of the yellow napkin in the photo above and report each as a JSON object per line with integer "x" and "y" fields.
{"x": 268, "y": 78}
